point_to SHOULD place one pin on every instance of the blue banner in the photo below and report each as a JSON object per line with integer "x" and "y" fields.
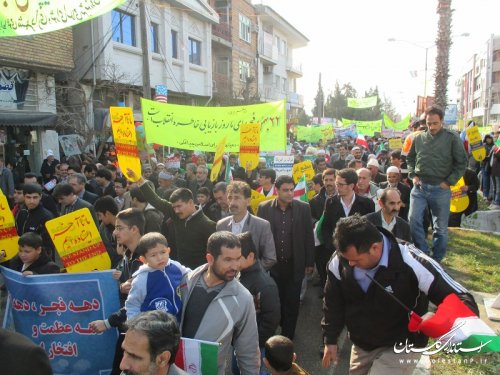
{"x": 55, "y": 311}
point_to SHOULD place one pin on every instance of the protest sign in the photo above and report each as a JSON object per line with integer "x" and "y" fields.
{"x": 304, "y": 168}
{"x": 475, "y": 143}
{"x": 78, "y": 242}
{"x": 173, "y": 162}
{"x": 283, "y": 164}
{"x": 200, "y": 128}
{"x": 459, "y": 199}
{"x": 368, "y": 128}
{"x": 256, "y": 198}
{"x": 368, "y": 102}
{"x": 401, "y": 125}
{"x": 219, "y": 153}
{"x": 122, "y": 123}
{"x": 54, "y": 311}
{"x": 37, "y": 17}
{"x": 249, "y": 146}
{"x": 395, "y": 144}
{"x": 70, "y": 144}
{"x": 8, "y": 232}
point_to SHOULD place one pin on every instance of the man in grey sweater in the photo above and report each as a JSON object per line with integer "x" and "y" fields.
{"x": 436, "y": 161}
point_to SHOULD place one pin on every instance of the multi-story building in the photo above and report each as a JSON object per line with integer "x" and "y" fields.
{"x": 124, "y": 54}
{"x": 28, "y": 66}
{"x": 479, "y": 87}
{"x": 277, "y": 70}
{"x": 234, "y": 52}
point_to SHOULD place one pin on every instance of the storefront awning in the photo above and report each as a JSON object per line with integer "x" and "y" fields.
{"x": 27, "y": 118}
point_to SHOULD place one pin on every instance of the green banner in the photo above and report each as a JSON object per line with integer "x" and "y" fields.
{"x": 368, "y": 128}
{"x": 36, "y": 17}
{"x": 368, "y": 102}
{"x": 401, "y": 125}
{"x": 316, "y": 133}
{"x": 201, "y": 128}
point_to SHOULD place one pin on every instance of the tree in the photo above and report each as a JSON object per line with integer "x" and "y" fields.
{"x": 319, "y": 101}
{"x": 389, "y": 110}
{"x": 443, "y": 44}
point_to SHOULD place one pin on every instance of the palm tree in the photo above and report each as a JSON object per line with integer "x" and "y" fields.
{"x": 443, "y": 44}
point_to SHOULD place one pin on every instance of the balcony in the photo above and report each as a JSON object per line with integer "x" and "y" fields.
{"x": 295, "y": 70}
{"x": 222, "y": 34}
{"x": 268, "y": 52}
{"x": 270, "y": 93}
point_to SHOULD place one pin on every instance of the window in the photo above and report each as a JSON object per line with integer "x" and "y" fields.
{"x": 173, "y": 42}
{"x": 284, "y": 87}
{"x": 276, "y": 81}
{"x": 283, "y": 48}
{"x": 222, "y": 7}
{"x": 123, "y": 26}
{"x": 194, "y": 51}
{"x": 245, "y": 32}
{"x": 244, "y": 70}
{"x": 277, "y": 42}
{"x": 222, "y": 66}
{"x": 154, "y": 38}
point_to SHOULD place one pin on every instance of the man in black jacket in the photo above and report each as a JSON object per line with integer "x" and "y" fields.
{"x": 375, "y": 322}
{"x": 394, "y": 181}
{"x": 263, "y": 289}
{"x": 33, "y": 216}
{"x": 291, "y": 225}
{"x": 387, "y": 216}
{"x": 317, "y": 203}
{"x": 345, "y": 203}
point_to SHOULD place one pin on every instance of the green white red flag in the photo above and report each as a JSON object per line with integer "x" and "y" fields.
{"x": 197, "y": 356}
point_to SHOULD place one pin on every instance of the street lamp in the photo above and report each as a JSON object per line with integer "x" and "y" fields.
{"x": 426, "y": 53}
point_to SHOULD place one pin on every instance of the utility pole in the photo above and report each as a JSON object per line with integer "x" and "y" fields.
{"x": 146, "y": 79}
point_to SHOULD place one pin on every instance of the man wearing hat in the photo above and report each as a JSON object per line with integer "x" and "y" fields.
{"x": 166, "y": 185}
{"x": 48, "y": 169}
{"x": 374, "y": 168}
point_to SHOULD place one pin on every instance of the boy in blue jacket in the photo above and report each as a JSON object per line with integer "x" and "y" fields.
{"x": 155, "y": 285}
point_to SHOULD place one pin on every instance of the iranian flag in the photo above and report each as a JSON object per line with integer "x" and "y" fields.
{"x": 300, "y": 191}
{"x": 455, "y": 323}
{"x": 197, "y": 356}
{"x": 362, "y": 141}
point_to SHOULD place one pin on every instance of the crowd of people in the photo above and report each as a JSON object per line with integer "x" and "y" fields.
{"x": 193, "y": 247}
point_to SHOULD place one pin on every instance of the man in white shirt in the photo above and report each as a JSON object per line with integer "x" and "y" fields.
{"x": 240, "y": 221}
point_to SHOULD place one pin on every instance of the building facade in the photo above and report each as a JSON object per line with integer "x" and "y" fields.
{"x": 479, "y": 87}
{"x": 28, "y": 69}
{"x": 278, "y": 72}
{"x": 124, "y": 54}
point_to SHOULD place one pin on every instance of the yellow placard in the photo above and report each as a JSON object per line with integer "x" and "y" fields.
{"x": 249, "y": 146}
{"x": 475, "y": 143}
{"x": 311, "y": 194}
{"x": 299, "y": 169}
{"x": 125, "y": 138}
{"x": 219, "y": 153}
{"x": 395, "y": 144}
{"x": 256, "y": 199}
{"x": 78, "y": 242}
{"x": 200, "y": 128}
{"x": 8, "y": 232}
{"x": 459, "y": 199}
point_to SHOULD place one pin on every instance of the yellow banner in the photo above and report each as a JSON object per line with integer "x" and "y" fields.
{"x": 124, "y": 135}
{"x": 8, "y": 232}
{"x": 78, "y": 242}
{"x": 200, "y": 128}
{"x": 395, "y": 144}
{"x": 219, "y": 153}
{"x": 475, "y": 143}
{"x": 299, "y": 169}
{"x": 249, "y": 146}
